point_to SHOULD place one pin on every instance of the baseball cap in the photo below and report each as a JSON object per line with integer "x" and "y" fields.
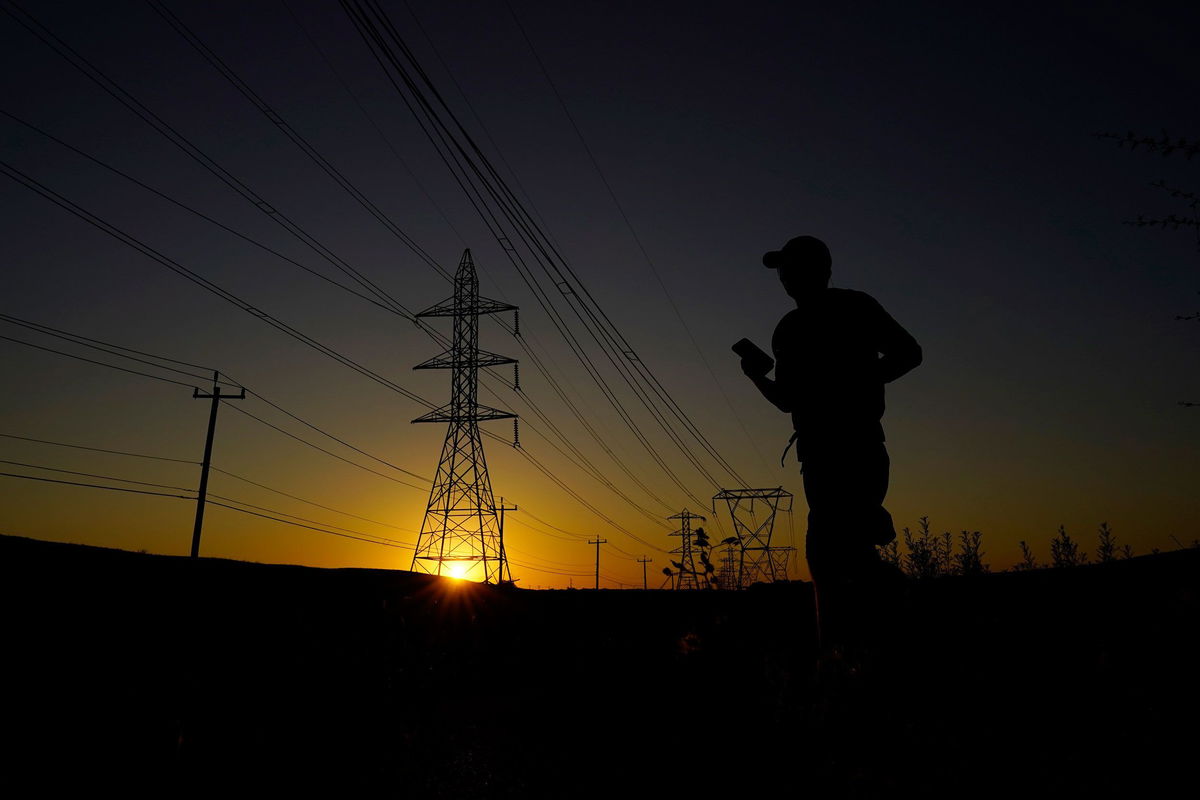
{"x": 807, "y": 250}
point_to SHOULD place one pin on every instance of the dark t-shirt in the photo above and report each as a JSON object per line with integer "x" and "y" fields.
{"x": 828, "y": 368}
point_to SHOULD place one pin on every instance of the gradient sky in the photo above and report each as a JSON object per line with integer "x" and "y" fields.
{"x": 945, "y": 153}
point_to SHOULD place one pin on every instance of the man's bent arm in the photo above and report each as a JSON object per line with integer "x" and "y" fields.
{"x": 900, "y": 351}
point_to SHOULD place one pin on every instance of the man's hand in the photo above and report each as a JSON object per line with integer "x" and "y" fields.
{"x": 755, "y": 368}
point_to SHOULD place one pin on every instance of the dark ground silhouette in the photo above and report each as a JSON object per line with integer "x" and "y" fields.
{"x": 132, "y": 670}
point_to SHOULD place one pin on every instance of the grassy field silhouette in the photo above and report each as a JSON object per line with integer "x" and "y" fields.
{"x": 167, "y": 673}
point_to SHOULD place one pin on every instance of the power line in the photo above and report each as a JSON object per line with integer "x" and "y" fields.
{"x": 373, "y": 123}
{"x": 616, "y": 349}
{"x": 94, "y": 475}
{"x": 524, "y": 223}
{"x": 95, "y": 486}
{"x": 629, "y": 225}
{"x": 340, "y": 441}
{"x": 579, "y": 456}
{"x": 311, "y": 528}
{"x": 452, "y": 150}
{"x": 101, "y": 345}
{"x": 175, "y": 266}
{"x": 97, "y": 363}
{"x": 211, "y": 220}
{"x": 302, "y": 500}
{"x": 303, "y": 519}
{"x": 203, "y": 282}
{"x": 386, "y": 543}
{"x": 96, "y": 343}
{"x": 190, "y": 36}
{"x": 114, "y": 90}
{"x": 183, "y": 30}
{"x": 98, "y": 449}
{"x": 323, "y": 450}
{"x": 446, "y": 153}
{"x": 194, "y": 152}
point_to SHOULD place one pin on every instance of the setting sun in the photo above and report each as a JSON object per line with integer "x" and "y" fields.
{"x": 456, "y": 569}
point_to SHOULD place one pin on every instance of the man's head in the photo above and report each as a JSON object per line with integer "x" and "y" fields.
{"x": 804, "y": 265}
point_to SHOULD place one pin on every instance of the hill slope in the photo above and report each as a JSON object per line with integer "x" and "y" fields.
{"x": 225, "y": 675}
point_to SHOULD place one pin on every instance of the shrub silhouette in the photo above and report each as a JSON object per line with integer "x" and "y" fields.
{"x": 1106, "y": 551}
{"x": 922, "y": 559}
{"x": 1064, "y": 552}
{"x": 969, "y": 559}
{"x": 890, "y": 554}
{"x": 1027, "y": 561}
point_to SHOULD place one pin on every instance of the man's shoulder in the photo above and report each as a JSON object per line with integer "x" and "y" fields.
{"x": 851, "y": 297}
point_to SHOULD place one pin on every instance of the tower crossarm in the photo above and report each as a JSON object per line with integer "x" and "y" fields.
{"x": 481, "y": 358}
{"x": 480, "y": 305}
{"x": 478, "y": 414}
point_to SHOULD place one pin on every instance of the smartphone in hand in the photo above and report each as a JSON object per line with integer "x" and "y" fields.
{"x": 754, "y": 360}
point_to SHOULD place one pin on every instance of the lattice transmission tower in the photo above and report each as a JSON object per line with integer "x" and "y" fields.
{"x": 687, "y": 577}
{"x": 758, "y": 561}
{"x": 462, "y": 534}
{"x": 727, "y": 576}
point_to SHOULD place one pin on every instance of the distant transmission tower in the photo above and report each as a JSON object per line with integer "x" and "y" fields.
{"x": 461, "y": 534}
{"x": 727, "y": 577}
{"x": 759, "y": 560}
{"x": 687, "y": 578}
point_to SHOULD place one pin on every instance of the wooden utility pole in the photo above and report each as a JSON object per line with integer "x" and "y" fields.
{"x": 597, "y": 541}
{"x": 643, "y": 561}
{"x": 216, "y": 398}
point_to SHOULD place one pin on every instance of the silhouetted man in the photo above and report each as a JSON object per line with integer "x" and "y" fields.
{"x": 833, "y": 354}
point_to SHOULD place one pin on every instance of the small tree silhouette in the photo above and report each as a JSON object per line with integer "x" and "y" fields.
{"x": 969, "y": 559}
{"x": 945, "y": 553}
{"x": 1027, "y": 561}
{"x": 890, "y": 554}
{"x": 922, "y": 559}
{"x": 1106, "y": 551}
{"x": 1064, "y": 552}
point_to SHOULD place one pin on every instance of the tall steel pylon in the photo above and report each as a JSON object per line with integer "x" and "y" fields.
{"x": 759, "y": 560}
{"x": 461, "y": 534}
{"x": 688, "y": 577}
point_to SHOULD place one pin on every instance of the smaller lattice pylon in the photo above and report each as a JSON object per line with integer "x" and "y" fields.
{"x": 754, "y": 534}
{"x": 687, "y": 577}
{"x": 780, "y": 556}
{"x": 727, "y": 576}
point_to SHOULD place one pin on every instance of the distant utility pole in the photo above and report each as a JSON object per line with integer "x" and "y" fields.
{"x": 643, "y": 561}
{"x": 503, "y": 553}
{"x": 216, "y": 398}
{"x": 598, "y": 541}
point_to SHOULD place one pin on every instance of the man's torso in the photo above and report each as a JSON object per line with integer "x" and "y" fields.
{"x": 827, "y": 365}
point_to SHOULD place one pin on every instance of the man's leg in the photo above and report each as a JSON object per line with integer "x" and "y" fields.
{"x": 845, "y": 491}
